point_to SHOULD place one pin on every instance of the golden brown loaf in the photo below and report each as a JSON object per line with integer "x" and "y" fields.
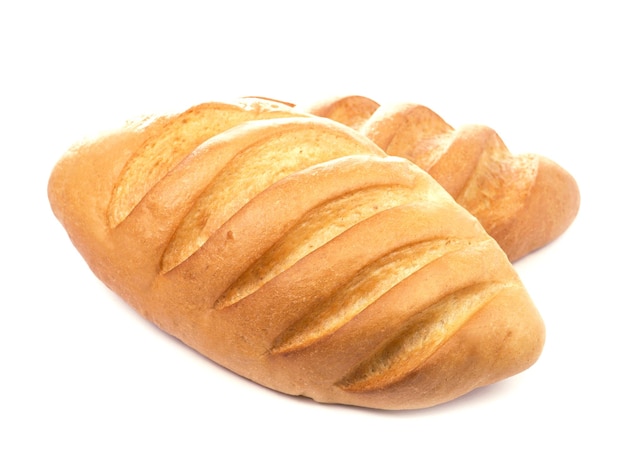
{"x": 293, "y": 251}
{"x": 523, "y": 201}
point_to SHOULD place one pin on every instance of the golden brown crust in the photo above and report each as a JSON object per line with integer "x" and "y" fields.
{"x": 523, "y": 201}
{"x": 296, "y": 253}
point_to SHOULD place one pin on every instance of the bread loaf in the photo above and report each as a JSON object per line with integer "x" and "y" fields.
{"x": 295, "y": 252}
{"x": 523, "y": 201}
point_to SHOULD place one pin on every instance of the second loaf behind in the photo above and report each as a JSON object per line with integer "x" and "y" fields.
{"x": 524, "y": 201}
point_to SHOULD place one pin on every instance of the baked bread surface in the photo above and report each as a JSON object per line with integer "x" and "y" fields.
{"x": 295, "y": 252}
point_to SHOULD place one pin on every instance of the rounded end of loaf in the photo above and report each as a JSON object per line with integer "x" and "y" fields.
{"x": 504, "y": 339}
{"x": 549, "y": 209}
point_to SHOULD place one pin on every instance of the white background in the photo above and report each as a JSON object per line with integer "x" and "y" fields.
{"x": 82, "y": 373}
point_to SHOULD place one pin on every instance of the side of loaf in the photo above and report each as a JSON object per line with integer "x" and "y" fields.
{"x": 295, "y": 252}
{"x": 524, "y": 201}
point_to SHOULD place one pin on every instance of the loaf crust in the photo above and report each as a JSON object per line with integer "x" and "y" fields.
{"x": 524, "y": 201}
{"x": 295, "y": 252}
